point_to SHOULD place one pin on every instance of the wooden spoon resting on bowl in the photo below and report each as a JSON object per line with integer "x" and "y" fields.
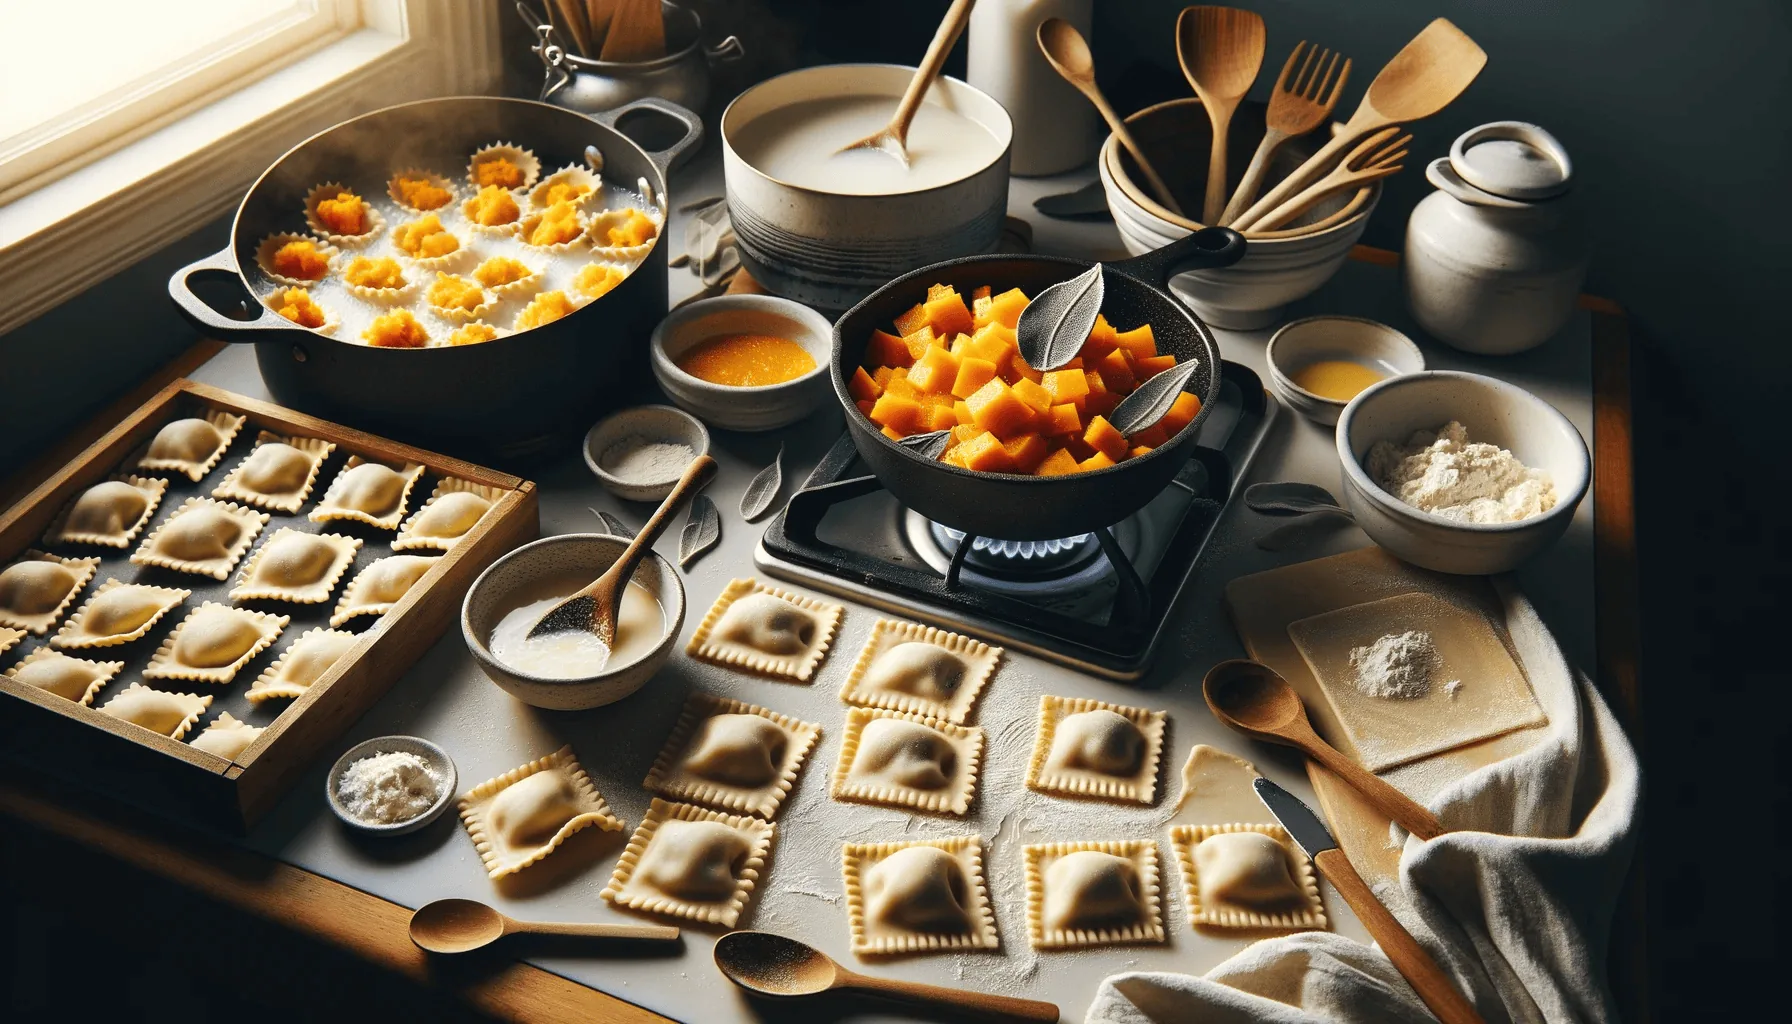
{"x": 1254, "y": 699}
{"x": 461, "y": 926}
{"x": 893, "y": 137}
{"x": 772, "y": 965}
{"x": 1220, "y": 50}
{"x": 595, "y": 608}
{"x": 1068, "y": 53}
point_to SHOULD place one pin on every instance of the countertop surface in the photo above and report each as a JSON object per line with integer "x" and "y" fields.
{"x": 445, "y": 698}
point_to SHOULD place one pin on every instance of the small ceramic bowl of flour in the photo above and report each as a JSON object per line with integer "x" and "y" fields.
{"x": 391, "y": 785}
{"x": 1459, "y": 472}
{"x": 639, "y": 453}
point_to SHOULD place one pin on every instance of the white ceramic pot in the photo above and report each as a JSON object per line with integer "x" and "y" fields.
{"x": 1496, "y": 257}
{"x": 1492, "y": 411}
{"x": 830, "y": 249}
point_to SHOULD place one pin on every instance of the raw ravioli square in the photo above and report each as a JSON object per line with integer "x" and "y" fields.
{"x": 731, "y": 755}
{"x": 1093, "y": 894}
{"x": 691, "y": 862}
{"x": 921, "y": 670}
{"x": 37, "y": 588}
{"x": 900, "y": 760}
{"x": 523, "y": 815}
{"x": 927, "y": 896}
{"x": 1090, "y": 748}
{"x": 1262, "y": 883}
{"x": 767, "y": 630}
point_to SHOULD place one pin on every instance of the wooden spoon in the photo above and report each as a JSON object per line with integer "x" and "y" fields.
{"x": 1220, "y": 50}
{"x": 461, "y": 926}
{"x": 1373, "y": 159}
{"x": 772, "y": 965}
{"x": 637, "y": 32}
{"x": 1299, "y": 103}
{"x": 1251, "y": 697}
{"x": 893, "y": 137}
{"x": 1422, "y": 79}
{"x": 1068, "y": 53}
{"x": 595, "y": 607}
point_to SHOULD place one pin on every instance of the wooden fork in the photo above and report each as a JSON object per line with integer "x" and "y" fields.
{"x": 1300, "y": 102}
{"x": 1373, "y": 159}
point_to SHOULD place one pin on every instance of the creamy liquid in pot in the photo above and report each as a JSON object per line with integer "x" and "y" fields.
{"x": 575, "y": 654}
{"x": 799, "y": 145}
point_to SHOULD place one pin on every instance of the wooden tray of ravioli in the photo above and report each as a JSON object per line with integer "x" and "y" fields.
{"x": 82, "y": 745}
{"x": 1262, "y": 606}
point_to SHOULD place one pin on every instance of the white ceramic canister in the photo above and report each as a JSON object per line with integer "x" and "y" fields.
{"x": 1054, "y": 126}
{"x": 1496, "y": 256}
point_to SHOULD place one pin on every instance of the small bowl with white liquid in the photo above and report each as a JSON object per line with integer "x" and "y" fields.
{"x": 570, "y": 671}
{"x": 639, "y": 453}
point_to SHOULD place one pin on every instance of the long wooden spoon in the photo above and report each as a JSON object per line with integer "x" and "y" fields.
{"x": 1068, "y": 53}
{"x": 893, "y": 137}
{"x": 1220, "y": 50}
{"x": 594, "y": 609}
{"x": 1299, "y": 103}
{"x": 461, "y": 926}
{"x": 772, "y": 965}
{"x": 1423, "y": 78}
{"x": 1373, "y": 159}
{"x": 1254, "y": 699}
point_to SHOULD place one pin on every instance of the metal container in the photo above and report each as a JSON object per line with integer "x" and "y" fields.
{"x": 592, "y": 86}
{"x": 510, "y": 397}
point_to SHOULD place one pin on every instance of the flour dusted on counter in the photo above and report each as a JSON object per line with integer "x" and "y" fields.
{"x": 1397, "y": 666}
{"x": 1442, "y": 472}
{"x": 385, "y": 789}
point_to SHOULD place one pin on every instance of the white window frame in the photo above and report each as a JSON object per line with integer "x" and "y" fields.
{"x": 69, "y": 225}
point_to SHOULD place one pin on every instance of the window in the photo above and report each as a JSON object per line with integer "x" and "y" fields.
{"x": 137, "y": 64}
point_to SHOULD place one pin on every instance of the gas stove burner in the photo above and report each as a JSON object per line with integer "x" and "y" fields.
{"x": 1030, "y": 557}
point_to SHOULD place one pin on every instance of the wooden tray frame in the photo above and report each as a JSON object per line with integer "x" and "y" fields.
{"x": 83, "y": 745}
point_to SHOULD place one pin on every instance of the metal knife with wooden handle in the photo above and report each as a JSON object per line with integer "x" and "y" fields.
{"x": 1410, "y": 959}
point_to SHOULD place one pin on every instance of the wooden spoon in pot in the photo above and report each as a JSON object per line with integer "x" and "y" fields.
{"x": 1068, "y": 53}
{"x": 594, "y": 609}
{"x": 461, "y": 926}
{"x": 772, "y": 965}
{"x": 1254, "y": 699}
{"x": 893, "y": 137}
{"x": 1423, "y": 78}
{"x": 1220, "y": 50}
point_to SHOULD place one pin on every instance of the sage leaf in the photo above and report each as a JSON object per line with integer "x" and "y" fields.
{"x": 702, "y": 530}
{"x": 930, "y": 445}
{"x": 1055, "y": 324}
{"x": 612, "y": 525}
{"x": 762, "y": 493}
{"x": 1148, "y": 403}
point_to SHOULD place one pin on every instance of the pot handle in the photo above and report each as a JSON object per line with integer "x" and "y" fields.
{"x": 724, "y": 52}
{"x": 664, "y": 158}
{"x": 1205, "y": 249}
{"x": 205, "y": 317}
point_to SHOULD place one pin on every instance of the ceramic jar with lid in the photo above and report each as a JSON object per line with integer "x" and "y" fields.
{"x": 1496, "y": 256}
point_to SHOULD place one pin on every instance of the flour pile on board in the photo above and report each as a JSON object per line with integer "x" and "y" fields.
{"x": 1397, "y": 666}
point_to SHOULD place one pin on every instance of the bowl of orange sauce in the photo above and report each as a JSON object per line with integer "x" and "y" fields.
{"x": 744, "y": 362}
{"x": 1317, "y": 365}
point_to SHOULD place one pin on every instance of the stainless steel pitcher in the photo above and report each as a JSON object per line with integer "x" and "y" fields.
{"x": 592, "y": 86}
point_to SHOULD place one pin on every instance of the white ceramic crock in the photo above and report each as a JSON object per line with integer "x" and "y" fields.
{"x": 829, "y": 249}
{"x": 1496, "y": 257}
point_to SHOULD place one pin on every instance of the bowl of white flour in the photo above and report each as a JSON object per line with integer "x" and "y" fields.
{"x": 1459, "y": 472}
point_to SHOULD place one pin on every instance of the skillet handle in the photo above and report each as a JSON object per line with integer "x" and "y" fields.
{"x": 1205, "y": 249}
{"x": 664, "y": 159}
{"x": 205, "y": 317}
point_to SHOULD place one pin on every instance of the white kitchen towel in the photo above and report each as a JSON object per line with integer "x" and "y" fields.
{"x": 1516, "y": 907}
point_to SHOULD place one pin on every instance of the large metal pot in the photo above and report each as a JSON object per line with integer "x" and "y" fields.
{"x": 592, "y": 86}
{"x": 511, "y": 397}
{"x": 1012, "y": 507}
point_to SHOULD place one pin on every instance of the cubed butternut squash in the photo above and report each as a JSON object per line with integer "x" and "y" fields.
{"x": 887, "y": 350}
{"x": 1035, "y": 395}
{"x": 1026, "y": 452}
{"x": 863, "y": 386}
{"x": 1099, "y": 460}
{"x": 1057, "y": 463}
{"x": 959, "y": 343}
{"x": 899, "y": 413}
{"x": 865, "y": 406}
{"x": 899, "y": 384}
{"x": 941, "y": 417}
{"x": 1151, "y": 436}
{"x": 940, "y": 291}
{"x": 1066, "y": 386}
{"x": 1100, "y": 400}
{"x": 980, "y": 306}
{"x": 893, "y": 434}
{"x": 995, "y": 408}
{"x": 1150, "y": 366}
{"x": 992, "y": 343}
{"x": 920, "y": 341}
{"x": 935, "y": 371}
{"x": 1021, "y": 369}
{"x": 1005, "y": 309}
{"x": 1078, "y": 448}
{"x": 1065, "y": 420}
{"x": 1102, "y": 437}
{"x": 1139, "y": 341}
{"x": 984, "y": 453}
{"x": 962, "y": 411}
{"x": 1140, "y": 449}
{"x": 964, "y": 432}
{"x": 973, "y": 373}
{"x": 980, "y": 292}
{"x": 913, "y": 320}
{"x": 1181, "y": 414}
{"x": 882, "y": 375}
{"x": 1116, "y": 372}
{"x": 949, "y": 315}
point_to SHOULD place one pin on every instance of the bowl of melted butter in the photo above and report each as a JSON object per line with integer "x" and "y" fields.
{"x": 1317, "y": 365}
{"x": 570, "y": 671}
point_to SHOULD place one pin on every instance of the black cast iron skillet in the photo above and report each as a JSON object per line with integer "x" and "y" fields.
{"x": 1014, "y": 507}
{"x": 510, "y": 397}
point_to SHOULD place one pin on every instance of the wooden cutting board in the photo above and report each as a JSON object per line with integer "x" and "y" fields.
{"x": 1262, "y": 606}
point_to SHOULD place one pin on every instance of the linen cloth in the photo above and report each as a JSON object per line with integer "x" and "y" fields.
{"x": 1516, "y": 907}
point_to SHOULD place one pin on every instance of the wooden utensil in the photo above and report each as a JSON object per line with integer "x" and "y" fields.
{"x": 1434, "y": 987}
{"x": 893, "y": 137}
{"x": 637, "y": 32}
{"x": 772, "y": 965}
{"x": 1423, "y": 78}
{"x": 461, "y": 926}
{"x": 595, "y": 607}
{"x": 572, "y": 13}
{"x": 1068, "y": 53}
{"x": 1254, "y": 699}
{"x": 1374, "y": 158}
{"x": 1299, "y": 103}
{"x": 597, "y": 20}
{"x": 1220, "y": 50}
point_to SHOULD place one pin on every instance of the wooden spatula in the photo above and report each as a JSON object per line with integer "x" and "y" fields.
{"x": 637, "y": 32}
{"x": 1374, "y": 158}
{"x": 1220, "y": 50}
{"x": 594, "y": 609}
{"x": 1300, "y": 102}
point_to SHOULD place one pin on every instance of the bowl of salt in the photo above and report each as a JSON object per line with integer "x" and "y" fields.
{"x": 639, "y": 453}
{"x": 391, "y": 785}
